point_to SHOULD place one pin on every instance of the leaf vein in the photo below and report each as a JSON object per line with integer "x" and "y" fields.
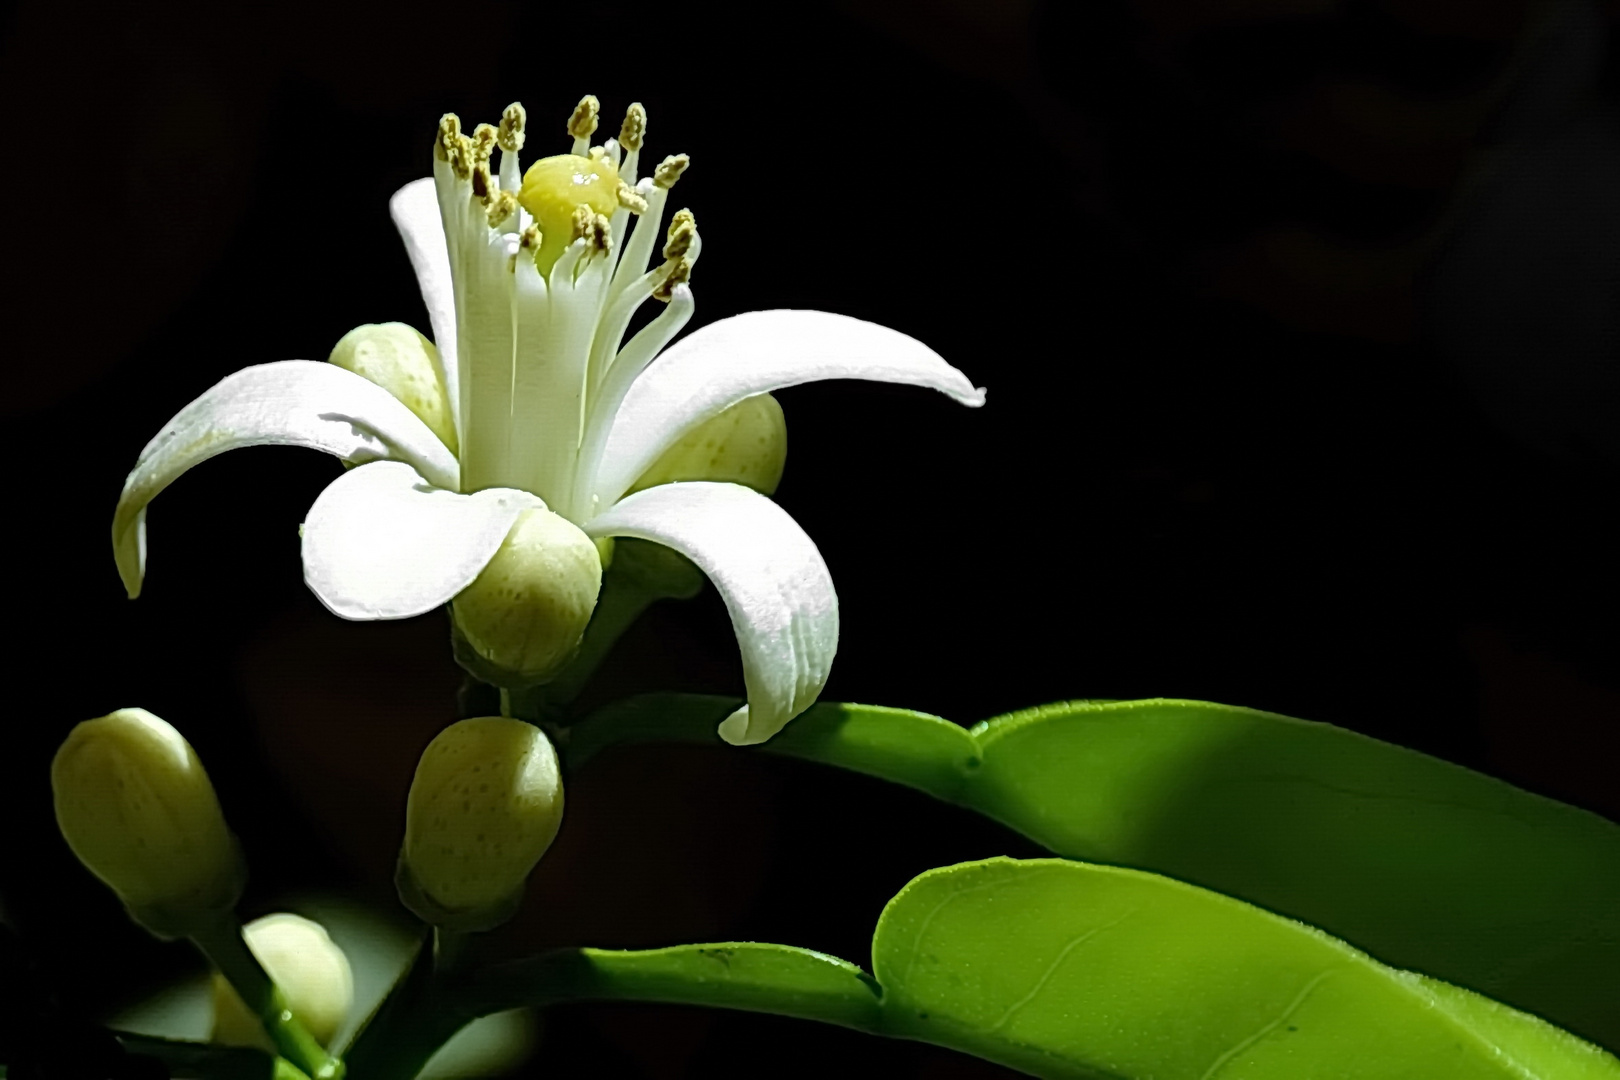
{"x": 1226, "y": 1059}
{"x": 1051, "y": 969}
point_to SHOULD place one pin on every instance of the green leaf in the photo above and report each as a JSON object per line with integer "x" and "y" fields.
{"x": 1068, "y": 970}
{"x": 1424, "y": 864}
{"x": 1064, "y": 969}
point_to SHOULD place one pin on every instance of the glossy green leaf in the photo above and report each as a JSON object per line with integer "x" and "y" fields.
{"x": 1069, "y": 970}
{"x": 1064, "y": 969}
{"x": 1424, "y": 864}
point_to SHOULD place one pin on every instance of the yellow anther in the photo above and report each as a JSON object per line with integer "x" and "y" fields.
{"x": 634, "y": 128}
{"x": 510, "y": 135}
{"x": 682, "y": 229}
{"x": 502, "y": 206}
{"x": 669, "y": 170}
{"x": 554, "y": 188}
{"x": 459, "y": 153}
{"x": 595, "y": 229}
{"x": 449, "y": 132}
{"x": 630, "y": 200}
{"x": 582, "y": 221}
{"x": 530, "y": 240}
{"x": 680, "y": 272}
{"x": 583, "y": 122}
{"x": 483, "y": 142}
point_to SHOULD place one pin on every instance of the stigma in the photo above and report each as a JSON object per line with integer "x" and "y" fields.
{"x": 554, "y": 191}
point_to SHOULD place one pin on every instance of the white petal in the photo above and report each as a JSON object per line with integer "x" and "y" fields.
{"x": 415, "y": 210}
{"x": 770, "y": 575}
{"x": 382, "y": 543}
{"x": 735, "y": 358}
{"x": 290, "y": 402}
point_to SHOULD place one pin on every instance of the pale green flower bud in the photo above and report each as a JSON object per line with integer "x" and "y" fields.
{"x": 136, "y": 807}
{"x": 521, "y": 620}
{"x": 406, "y": 364}
{"x": 308, "y": 967}
{"x": 484, "y": 806}
{"x": 746, "y": 444}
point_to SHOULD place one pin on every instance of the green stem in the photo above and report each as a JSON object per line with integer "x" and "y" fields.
{"x": 222, "y": 943}
{"x": 449, "y": 949}
{"x": 622, "y": 600}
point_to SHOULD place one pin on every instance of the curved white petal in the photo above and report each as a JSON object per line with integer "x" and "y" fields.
{"x": 382, "y": 543}
{"x": 289, "y": 402}
{"x": 736, "y": 358}
{"x": 770, "y": 575}
{"x": 415, "y": 210}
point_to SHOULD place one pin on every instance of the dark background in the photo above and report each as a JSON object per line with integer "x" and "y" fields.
{"x": 1298, "y": 319}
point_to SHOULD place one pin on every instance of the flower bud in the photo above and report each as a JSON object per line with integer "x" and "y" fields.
{"x": 484, "y": 806}
{"x": 520, "y": 622}
{"x": 136, "y": 807}
{"x": 308, "y": 967}
{"x": 406, "y": 364}
{"x": 746, "y": 444}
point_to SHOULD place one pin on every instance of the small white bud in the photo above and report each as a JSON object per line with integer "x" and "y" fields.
{"x": 400, "y": 360}
{"x": 311, "y": 971}
{"x": 485, "y": 804}
{"x": 136, "y": 807}
{"x": 520, "y": 622}
{"x": 746, "y": 444}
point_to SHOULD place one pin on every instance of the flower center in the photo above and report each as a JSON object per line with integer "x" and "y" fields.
{"x": 553, "y": 190}
{"x": 548, "y": 265}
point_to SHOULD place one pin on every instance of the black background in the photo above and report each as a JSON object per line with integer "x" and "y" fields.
{"x": 1298, "y": 321}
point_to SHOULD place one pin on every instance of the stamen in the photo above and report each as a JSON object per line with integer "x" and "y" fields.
{"x": 595, "y": 229}
{"x": 449, "y": 132}
{"x": 634, "y": 128}
{"x": 482, "y": 183}
{"x": 459, "y": 153}
{"x": 679, "y": 274}
{"x": 530, "y": 240}
{"x": 583, "y": 121}
{"x": 584, "y": 216}
{"x": 669, "y": 170}
{"x": 510, "y": 134}
{"x": 630, "y": 199}
{"x": 682, "y": 230}
{"x": 502, "y": 206}
{"x": 483, "y": 139}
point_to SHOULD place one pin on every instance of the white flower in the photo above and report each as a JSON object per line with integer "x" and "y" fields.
{"x": 531, "y": 287}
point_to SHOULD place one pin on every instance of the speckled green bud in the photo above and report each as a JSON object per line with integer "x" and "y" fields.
{"x": 406, "y": 364}
{"x": 312, "y": 973}
{"x": 520, "y": 622}
{"x": 137, "y": 808}
{"x": 485, "y": 804}
{"x": 746, "y": 444}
